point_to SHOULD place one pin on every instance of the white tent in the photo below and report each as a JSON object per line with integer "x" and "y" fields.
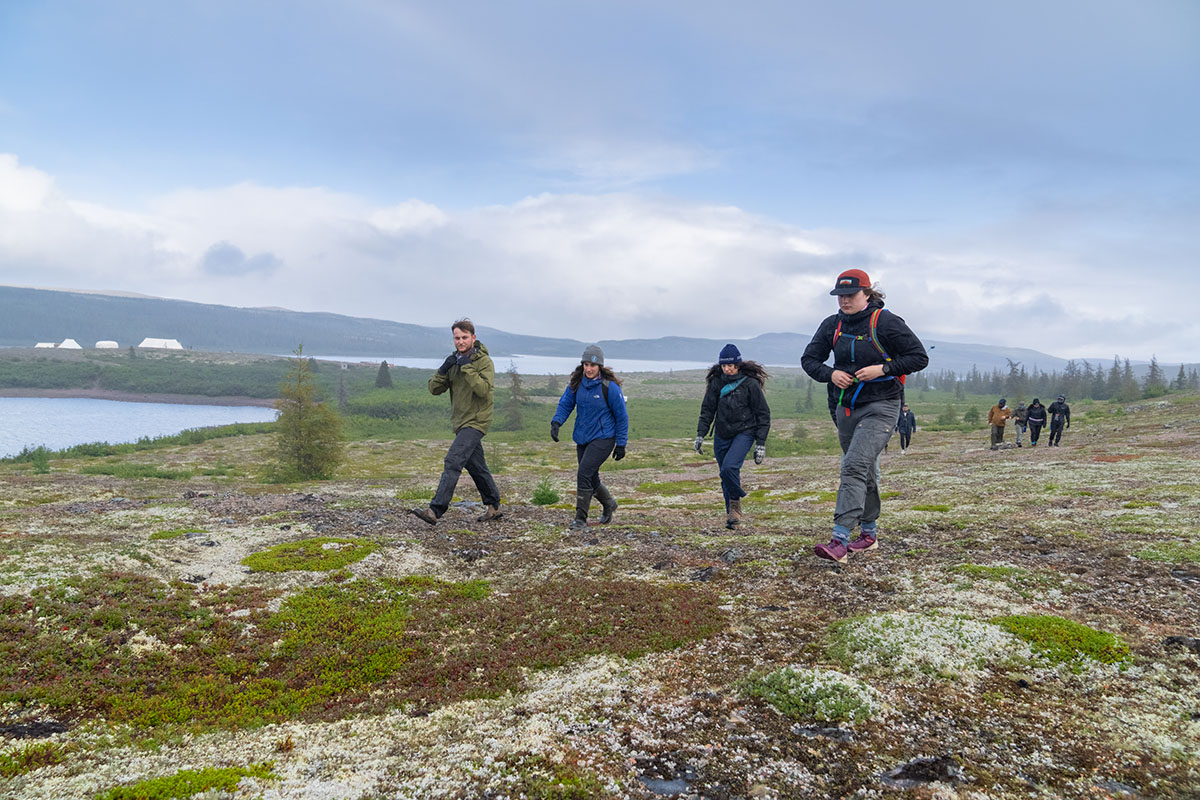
{"x": 106, "y": 344}
{"x": 45, "y": 344}
{"x": 161, "y": 344}
{"x": 70, "y": 344}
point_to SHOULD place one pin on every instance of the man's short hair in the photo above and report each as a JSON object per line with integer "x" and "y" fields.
{"x": 464, "y": 325}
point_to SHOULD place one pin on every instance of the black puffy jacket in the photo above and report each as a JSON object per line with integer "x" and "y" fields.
{"x": 853, "y": 351}
{"x": 743, "y": 409}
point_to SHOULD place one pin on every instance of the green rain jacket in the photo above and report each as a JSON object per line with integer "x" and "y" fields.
{"x": 471, "y": 387}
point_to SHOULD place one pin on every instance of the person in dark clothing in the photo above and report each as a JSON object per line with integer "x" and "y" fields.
{"x": 601, "y": 429}
{"x": 1060, "y": 416}
{"x": 905, "y": 426}
{"x": 470, "y": 377}
{"x": 1020, "y": 422}
{"x": 735, "y": 404}
{"x": 1035, "y": 416}
{"x": 873, "y": 349}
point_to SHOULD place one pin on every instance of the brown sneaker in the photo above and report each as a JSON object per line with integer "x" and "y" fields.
{"x": 834, "y": 551}
{"x": 492, "y": 512}
{"x": 425, "y": 514}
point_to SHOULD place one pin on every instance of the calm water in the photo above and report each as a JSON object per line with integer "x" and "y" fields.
{"x": 534, "y": 365}
{"x": 57, "y": 423}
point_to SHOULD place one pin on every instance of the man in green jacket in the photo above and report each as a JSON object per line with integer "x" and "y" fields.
{"x": 470, "y": 376}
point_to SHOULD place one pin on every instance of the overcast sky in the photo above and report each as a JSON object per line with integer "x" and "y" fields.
{"x": 1018, "y": 172}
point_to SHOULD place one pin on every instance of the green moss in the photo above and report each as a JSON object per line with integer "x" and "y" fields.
{"x": 188, "y": 782}
{"x": 541, "y": 779}
{"x": 129, "y": 470}
{"x": 1170, "y": 553}
{"x": 676, "y": 487}
{"x": 938, "y": 508}
{"x": 31, "y": 757}
{"x": 1141, "y": 504}
{"x": 1063, "y": 641}
{"x": 811, "y": 694}
{"x": 993, "y": 573}
{"x": 175, "y": 533}
{"x": 323, "y": 553}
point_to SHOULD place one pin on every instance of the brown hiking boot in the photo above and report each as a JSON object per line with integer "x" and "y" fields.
{"x": 734, "y": 517}
{"x": 425, "y": 514}
{"x": 492, "y": 512}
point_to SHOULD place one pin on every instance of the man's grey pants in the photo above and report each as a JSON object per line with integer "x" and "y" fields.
{"x": 465, "y": 453}
{"x": 862, "y": 436}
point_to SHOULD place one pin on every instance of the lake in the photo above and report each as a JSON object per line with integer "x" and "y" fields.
{"x": 62, "y": 422}
{"x": 533, "y": 365}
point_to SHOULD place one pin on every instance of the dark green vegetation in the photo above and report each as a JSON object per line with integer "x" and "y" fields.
{"x": 131, "y": 649}
{"x": 188, "y": 782}
{"x": 31, "y": 757}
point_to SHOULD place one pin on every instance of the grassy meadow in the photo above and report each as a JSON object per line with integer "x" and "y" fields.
{"x": 174, "y": 625}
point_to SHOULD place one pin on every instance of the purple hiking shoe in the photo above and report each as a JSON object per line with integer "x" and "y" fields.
{"x": 834, "y": 551}
{"x": 863, "y": 543}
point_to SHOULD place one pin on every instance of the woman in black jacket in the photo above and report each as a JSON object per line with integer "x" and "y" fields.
{"x": 735, "y": 403}
{"x": 873, "y": 349}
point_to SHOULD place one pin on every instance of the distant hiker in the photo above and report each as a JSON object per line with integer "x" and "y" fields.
{"x": 470, "y": 376}
{"x": 873, "y": 349}
{"x": 601, "y": 429}
{"x": 906, "y": 425}
{"x": 997, "y": 418}
{"x": 1020, "y": 422}
{"x": 1035, "y": 415}
{"x": 735, "y": 404}
{"x": 1060, "y": 416}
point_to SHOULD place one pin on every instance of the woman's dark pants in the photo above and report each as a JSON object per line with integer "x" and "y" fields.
{"x": 730, "y": 455}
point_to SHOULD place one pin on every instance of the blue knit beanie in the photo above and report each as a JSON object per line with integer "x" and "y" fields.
{"x": 730, "y": 355}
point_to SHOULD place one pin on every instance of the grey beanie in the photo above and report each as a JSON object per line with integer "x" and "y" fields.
{"x": 592, "y": 354}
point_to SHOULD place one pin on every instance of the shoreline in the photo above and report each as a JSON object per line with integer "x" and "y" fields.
{"x": 137, "y": 397}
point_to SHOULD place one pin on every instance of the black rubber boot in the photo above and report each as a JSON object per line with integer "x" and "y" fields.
{"x": 582, "y": 501}
{"x": 607, "y": 502}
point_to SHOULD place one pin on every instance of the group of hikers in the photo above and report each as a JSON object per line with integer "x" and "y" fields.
{"x": 872, "y": 348}
{"x": 1032, "y": 418}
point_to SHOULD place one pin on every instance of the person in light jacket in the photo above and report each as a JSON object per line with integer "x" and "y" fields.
{"x": 735, "y": 408}
{"x": 601, "y": 429}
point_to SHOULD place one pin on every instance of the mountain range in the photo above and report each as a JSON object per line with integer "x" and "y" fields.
{"x": 49, "y": 315}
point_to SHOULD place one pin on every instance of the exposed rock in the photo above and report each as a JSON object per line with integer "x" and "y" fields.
{"x": 37, "y": 729}
{"x": 703, "y": 574}
{"x": 1188, "y": 643}
{"x": 731, "y": 555}
{"x": 945, "y": 769}
{"x": 665, "y": 776}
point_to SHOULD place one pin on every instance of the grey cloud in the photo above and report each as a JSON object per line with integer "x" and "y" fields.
{"x": 227, "y": 259}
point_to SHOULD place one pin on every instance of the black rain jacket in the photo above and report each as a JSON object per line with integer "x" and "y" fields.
{"x": 853, "y": 352}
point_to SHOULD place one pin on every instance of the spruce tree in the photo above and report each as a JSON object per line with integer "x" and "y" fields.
{"x": 383, "y": 378}
{"x": 309, "y": 438}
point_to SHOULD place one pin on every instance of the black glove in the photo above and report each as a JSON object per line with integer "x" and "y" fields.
{"x": 554, "y": 431}
{"x": 618, "y": 452}
{"x": 462, "y": 359}
{"x": 450, "y": 361}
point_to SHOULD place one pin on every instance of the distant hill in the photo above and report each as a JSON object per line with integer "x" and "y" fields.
{"x": 45, "y": 315}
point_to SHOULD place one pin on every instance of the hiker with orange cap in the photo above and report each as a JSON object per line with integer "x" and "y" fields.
{"x": 873, "y": 349}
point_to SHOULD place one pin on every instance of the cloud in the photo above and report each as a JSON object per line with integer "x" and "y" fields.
{"x": 22, "y": 188}
{"x": 227, "y": 259}
{"x": 585, "y": 266}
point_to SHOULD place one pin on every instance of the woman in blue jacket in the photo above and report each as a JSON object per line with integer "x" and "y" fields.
{"x": 601, "y": 429}
{"x": 735, "y": 407}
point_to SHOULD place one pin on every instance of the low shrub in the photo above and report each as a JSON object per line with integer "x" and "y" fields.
{"x": 188, "y": 782}
{"x": 544, "y": 494}
{"x": 320, "y": 554}
{"x": 815, "y": 694}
